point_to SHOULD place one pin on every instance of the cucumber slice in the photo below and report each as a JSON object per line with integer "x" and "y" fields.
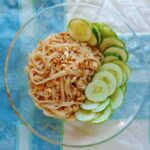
{"x": 109, "y": 78}
{"x": 115, "y": 70}
{"x": 99, "y": 35}
{"x": 103, "y": 116}
{"x": 113, "y": 54}
{"x": 123, "y": 66}
{"x": 106, "y": 30}
{"x": 87, "y": 105}
{"x": 124, "y": 88}
{"x": 79, "y": 29}
{"x": 123, "y": 54}
{"x": 117, "y": 99}
{"x": 111, "y": 41}
{"x": 109, "y": 59}
{"x": 93, "y": 40}
{"x": 102, "y": 106}
{"x": 83, "y": 115}
{"x": 97, "y": 91}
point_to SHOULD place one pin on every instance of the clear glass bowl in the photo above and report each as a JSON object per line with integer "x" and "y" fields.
{"x": 75, "y": 134}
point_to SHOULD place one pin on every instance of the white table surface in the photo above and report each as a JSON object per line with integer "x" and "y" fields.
{"x": 136, "y": 136}
{"x": 137, "y": 14}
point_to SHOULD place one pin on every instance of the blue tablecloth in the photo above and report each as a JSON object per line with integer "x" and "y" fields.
{"x": 9, "y": 23}
{"x": 11, "y": 12}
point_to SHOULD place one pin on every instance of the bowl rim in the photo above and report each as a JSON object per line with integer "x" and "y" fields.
{"x": 6, "y": 73}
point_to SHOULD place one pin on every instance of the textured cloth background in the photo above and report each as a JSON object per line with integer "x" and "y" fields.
{"x": 13, "y": 134}
{"x": 137, "y": 15}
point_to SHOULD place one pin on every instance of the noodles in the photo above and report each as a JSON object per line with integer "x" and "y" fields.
{"x": 62, "y": 89}
{"x": 67, "y": 87}
{"x": 58, "y": 71}
{"x": 54, "y": 76}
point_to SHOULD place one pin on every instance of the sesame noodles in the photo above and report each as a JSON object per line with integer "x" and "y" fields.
{"x": 59, "y": 69}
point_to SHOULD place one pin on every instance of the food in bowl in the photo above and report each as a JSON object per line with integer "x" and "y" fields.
{"x": 79, "y": 74}
{"x": 59, "y": 70}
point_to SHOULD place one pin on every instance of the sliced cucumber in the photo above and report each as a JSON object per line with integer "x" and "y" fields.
{"x": 106, "y": 30}
{"x": 87, "y": 105}
{"x": 93, "y": 40}
{"x": 97, "y": 33}
{"x": 125, "y": 78}
{"x": 115, "y": 70}
{"x": 111, "y": 41}
{"x": 117, "y": 99}
{"x": 103, "y": 116}
{"x": 109, "y": 59}
{"x": 79, "y": 29}
{"x": 109, "y": 78}
{"x": 83, "y": 115}
{"x": 102, "y": 106}
{"x": 123, "y": 66}
{"x": 113, "y": 54}
{"x": 111, "y": 51}
{"x": 124, "y": 88}
{"x": 97, "y": 91}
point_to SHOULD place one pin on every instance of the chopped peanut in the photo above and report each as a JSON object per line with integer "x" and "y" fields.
{"x": 75, "y": 108}
{"x": 74, "y": 91}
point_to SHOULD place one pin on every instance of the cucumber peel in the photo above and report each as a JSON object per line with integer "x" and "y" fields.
{"x": 117, "y": 99}
{"x": 102, "y": 106}
{"x": 115, "y": 70}
{"x": 123, "y": 66}
{"x": 109, "y": 42}
{"x": 103, "y": 116}
{"x": 109, "y": 59}
{"x": 124, "y": 88}
{"x": 121, "y": 53}
{"x": 83, "y": 115}
{"x": 105, "y": 30}
{"x": 87, "y": 105}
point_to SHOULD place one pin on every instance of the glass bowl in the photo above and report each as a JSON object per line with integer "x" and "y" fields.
{"x": 75, "y": 134}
